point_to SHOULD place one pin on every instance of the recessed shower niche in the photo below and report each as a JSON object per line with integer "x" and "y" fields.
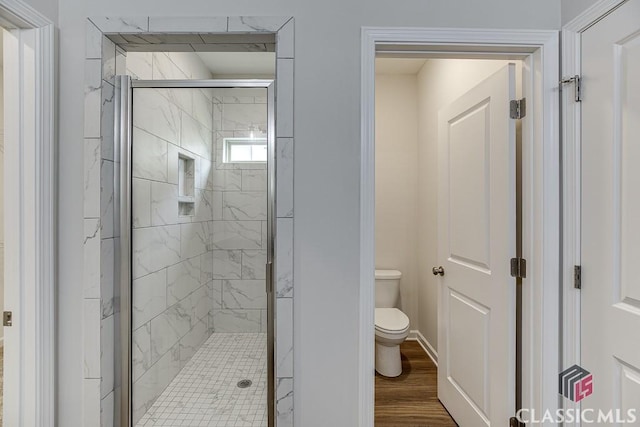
{"x": 186, "y": 185}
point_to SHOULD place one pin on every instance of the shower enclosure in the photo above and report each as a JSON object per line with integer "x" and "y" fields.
{"x": 196, "y": 221}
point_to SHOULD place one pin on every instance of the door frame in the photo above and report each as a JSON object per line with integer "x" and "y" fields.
{"x": 541, "y": 197}
{"x": 30, "y": 271}
{"x": 99, "y": 32}
{"x": 124, "y": 140}
{"x": 572, "y": 182}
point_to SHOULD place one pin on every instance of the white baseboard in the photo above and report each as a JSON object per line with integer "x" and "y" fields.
{"x": 415, "y": 335}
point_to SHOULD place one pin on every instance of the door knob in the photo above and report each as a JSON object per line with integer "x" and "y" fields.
{"x": 437, "y": 270}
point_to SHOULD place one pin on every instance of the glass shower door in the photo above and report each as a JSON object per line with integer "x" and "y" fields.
{"x": 200, "y": 239}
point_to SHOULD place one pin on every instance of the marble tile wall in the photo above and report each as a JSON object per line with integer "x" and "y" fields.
{"x": 173, "y": 283}
{"x": 101, "y": 397}
{"x": 240, "y": 251}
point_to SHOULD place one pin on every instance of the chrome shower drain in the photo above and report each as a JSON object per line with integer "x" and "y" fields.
{"x": 244, "y": 383}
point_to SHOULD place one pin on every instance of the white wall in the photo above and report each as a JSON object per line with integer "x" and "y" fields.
{"x": 440, "y": 81}
{"x": 572, "y": 8}
{"x": 327, "y": 170}
{"x": 48, "y": 8}
{"x": 397, "y": 183}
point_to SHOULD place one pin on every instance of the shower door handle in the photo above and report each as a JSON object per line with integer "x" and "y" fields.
{"x": 269, "y": 277}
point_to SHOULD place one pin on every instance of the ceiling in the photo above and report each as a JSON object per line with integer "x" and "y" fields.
{"x": 241, "y": 64}
{"x": 399, "y": 65}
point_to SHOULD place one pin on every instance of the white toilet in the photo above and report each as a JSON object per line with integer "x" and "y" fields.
{"x": 392, "y": 325}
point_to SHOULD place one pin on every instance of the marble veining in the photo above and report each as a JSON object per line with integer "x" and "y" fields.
{"x": 149, "y": 297}
{"x": 182, "y": 279}
{"x": 236, "y": 320}
{"x": 244, "y": 117}
{"x": 284, "y": 346}
{"x": 91, "y": 335}
{"x": 155, "y": 115}
{"x": 227, "y": 180}
{"x": 107, "y": 266}
{"x": 106, "y": 118}
{"x": 149, "y": 156}
{"x": 108, "y": 59}
{"x": 165, "y": 69}
{"x": 284, "y": 177}
{"x": 254, "y": 180}
{"x": 107, "y": 355}
{"x": 164, "y": 208}
{"x": 284, "y": 402}
{"x": 92, "y": 165}
{"x": 245, "y": 206}
{"x": 254, "y": 264}
{"x": 244, "y": 294}
{"x": 91, "y": 264}
{"x": 139, "y": 65}
{"x": 237, "y": 234}
{"x": 141, "y": 350}
{"x": 121, "y": 25}
{"x": 256, "y": 24}
{"x": 227, "y": 264}
{"x": 284, "y": 94}
{"x": 92, "y": 98}
{"x": 284, "y": 264}
{"x": 195, "y": 239}
{"x": 196, "y": 137}
{"x": 155, "y": 248}
{"x": 192, "y": 341}
{"x": 168, "y": 328}
{"x": 195, "y": 24}
{"x": 141, "y": 205}
{"x": 106, "y": 199}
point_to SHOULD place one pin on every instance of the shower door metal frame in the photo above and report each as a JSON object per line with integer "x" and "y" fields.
{"x": 123, "y": 145}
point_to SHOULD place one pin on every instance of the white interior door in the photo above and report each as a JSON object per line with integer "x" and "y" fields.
{"x": 477, "y": 237}
{"x": 610, "y": 237}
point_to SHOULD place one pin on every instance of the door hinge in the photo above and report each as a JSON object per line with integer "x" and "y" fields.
{"x": 577, "y": 276}
{"x": 518, "y": 268}
{"x": 7, "y": 318}
{"x": 517, "y": 108}
{"x": 514, "y": 422}
{"x": 577, "y": 88}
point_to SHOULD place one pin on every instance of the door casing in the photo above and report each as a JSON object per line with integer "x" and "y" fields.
{"x": 539, "y": 51}
{"x": 30, "y": 240}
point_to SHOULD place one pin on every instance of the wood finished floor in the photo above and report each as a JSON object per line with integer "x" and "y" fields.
{"x": 412, "y": 398}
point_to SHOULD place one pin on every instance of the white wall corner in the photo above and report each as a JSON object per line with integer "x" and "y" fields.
{"x": 415, "y": 335}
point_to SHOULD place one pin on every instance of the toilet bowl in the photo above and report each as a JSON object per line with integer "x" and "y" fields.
{"x": 392, "y": 328}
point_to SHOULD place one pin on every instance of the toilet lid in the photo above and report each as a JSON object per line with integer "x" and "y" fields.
{"x": 391, "y": 320}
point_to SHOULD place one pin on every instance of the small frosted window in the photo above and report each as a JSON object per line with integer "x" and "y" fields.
{"x": 245, "y": 150}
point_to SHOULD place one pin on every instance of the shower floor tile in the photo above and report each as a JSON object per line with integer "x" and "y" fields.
{"x": 205, "y": 392}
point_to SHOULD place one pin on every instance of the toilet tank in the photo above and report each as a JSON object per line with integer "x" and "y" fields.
{"x": 387, "y": 288}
